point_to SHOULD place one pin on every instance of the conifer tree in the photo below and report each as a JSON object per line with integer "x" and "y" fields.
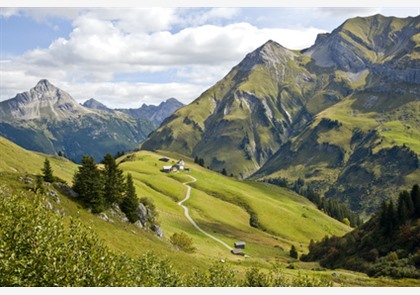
{"x": 113, "y": 180}
{"x": 293, "y": 253}
{"x": 87, "y": 183}
{"x": 130, "y": 202}
{"x": 415, "y": 198}
{"x": 405, "y": 207}
{"x": 47, "y": 171}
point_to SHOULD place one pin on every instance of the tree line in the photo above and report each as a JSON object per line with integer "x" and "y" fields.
{"x": 386, "y": 245}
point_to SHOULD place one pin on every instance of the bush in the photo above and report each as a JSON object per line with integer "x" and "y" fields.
{"x": 38, "y": 249}
{"x": 182, "y": 241}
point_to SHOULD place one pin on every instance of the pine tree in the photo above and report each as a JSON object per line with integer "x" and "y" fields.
{"x": 405, "y": 207}
{"x": 293, "y": 253}
{"x": 415, "y": 198}
{"x": 391, "y": 219}
{"x": 87, "y": 182}
{"x": 47, "y": 171}
{"x": 113, "y": 180}
{"x": 224, "y": 172}
{"x": 130, "y": 202}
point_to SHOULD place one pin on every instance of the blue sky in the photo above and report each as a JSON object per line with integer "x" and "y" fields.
{"x": 127, "y": 57}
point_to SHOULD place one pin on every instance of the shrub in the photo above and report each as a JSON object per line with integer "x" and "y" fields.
{"x": 182, "y": 241}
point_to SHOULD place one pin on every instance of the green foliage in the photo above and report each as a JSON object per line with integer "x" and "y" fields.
{"x": 39, "y": 185}
{"x": 183, "y": 242}
{"x": 38, "y": 249}
{"x": 221, "y": 275}
{"x": 257, "y": 278}
{"x": 87, "y": 182}
{"x": 113, "y": 180}
{"x": 293, "y": 252}
{"x": 388, "y": 244}
{"x": 47, "y": 171}
{"x": 130, "y": 202}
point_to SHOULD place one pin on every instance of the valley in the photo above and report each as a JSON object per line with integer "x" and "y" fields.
{"x": 297, "y": 168}
{"x": 286, "y": 218}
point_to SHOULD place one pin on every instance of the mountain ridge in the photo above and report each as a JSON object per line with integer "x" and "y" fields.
{"x": 314, "y": 109}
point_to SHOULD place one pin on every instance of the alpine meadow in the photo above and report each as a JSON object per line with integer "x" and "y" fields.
{"x": 297, "y": 168}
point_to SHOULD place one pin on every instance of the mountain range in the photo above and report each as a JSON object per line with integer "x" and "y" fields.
{"x": 341, "y": 116}
{"x": 49, "y": 120}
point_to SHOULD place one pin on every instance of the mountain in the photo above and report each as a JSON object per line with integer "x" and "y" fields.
{"x": 156, "y": 114}
{"x": 341, "y": 116}
{"x": 95, "y": 105}
{"x": 44, "y": 101}
{"x": 49, "y": 120}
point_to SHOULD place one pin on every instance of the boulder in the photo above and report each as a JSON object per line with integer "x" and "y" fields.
{"x": 105, "y": 217}
{"x": 66, "y": 189}
{"x": 142, "y": 213}
{"x": 138, "y": 224}
{"x": 157, "y": 230}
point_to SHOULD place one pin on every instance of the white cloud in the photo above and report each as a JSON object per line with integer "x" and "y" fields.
{"x": 107, "y": 42}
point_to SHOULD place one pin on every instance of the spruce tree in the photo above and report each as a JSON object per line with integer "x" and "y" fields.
{"x": 405, "y": 207}
{"x": 293, "y": 253}
{"x": 130, "y": 202}
{"x": 415, "y": 198}
{"x": 87, "y": 183}
{"x": 113, "y": 179}
{"x": 47, "y": 171}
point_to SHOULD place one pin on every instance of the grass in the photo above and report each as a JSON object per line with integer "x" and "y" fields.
{"x": 289, "y": 218}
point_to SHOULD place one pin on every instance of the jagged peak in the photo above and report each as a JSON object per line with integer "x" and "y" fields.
{"x": 270, "y": 52}
{"x": 44, "y": 84}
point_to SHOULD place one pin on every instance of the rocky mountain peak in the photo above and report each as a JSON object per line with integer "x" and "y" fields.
{"x": 44, "y": 85}
{"x": 270, "y": 53}
{"x": 42, "y": 101}
{"x": 95, "y": 105}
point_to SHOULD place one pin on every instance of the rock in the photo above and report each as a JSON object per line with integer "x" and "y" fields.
{"x": 335, "y": 275}
{"x": 66, "y": 189}
{"x": 28, "y": 180}
{"x": 142, "y": 213}
{"x": 138, "y": 224}
{"x": 157, "y": 230}
{"x": 48, "y": 205}
{"x": 52, "y": 193}
{"x": 116, "y": 212}
{"x": 20, "y": 178}
{"x": 105, "y": 217}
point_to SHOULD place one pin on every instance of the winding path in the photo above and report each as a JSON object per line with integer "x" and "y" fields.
{"x": 187, "y": 196}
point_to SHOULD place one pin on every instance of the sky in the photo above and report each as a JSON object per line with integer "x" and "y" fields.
{"x": 125, "y": 57}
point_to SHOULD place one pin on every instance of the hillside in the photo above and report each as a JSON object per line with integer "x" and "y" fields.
{"x": 341, "y": 115}
{"x": 285, "y": 218}
{"x": 387, "y": 245}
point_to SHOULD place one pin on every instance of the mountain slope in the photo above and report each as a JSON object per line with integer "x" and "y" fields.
{"x": 211, "y": 205}
{"x": 49, "y": 120}
{"x": 242, "y": 120}
{"x": 342, "y": 115}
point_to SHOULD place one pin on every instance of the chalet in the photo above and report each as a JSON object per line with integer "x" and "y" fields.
{"x": 237, "y": 252}
{"x": 167, "y": 168}
{"x": 239, "y": 245}
{"x": 180, "y": 165}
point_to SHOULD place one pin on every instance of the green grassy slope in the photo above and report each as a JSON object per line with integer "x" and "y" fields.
{"x": 288, "y": 218}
